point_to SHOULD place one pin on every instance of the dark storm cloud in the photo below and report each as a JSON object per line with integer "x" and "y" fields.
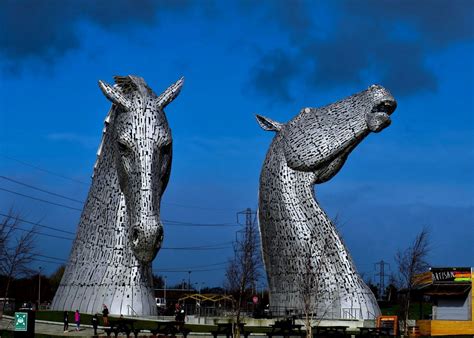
{"x": 48, "y": 29}
{"x": 439, "y": 21}
{"x": 279, "y": 68}
{"x": 385, "y": 41}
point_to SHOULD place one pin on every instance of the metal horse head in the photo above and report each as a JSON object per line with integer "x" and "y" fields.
{"x": 142, "y": 148}
{"x": 320, "y": 139}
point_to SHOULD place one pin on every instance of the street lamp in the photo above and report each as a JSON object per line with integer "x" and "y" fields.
{"x": 199, "y": 307}
{"x": 164, "y": 292}
{"x": 39, "y": 287}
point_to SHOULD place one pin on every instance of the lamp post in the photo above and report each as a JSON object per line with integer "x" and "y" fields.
{"x": 39, "y": 287}
{"x": 189, "y": 280}
{"x": 164, "y": 292}
{"x": 199, "y": 307}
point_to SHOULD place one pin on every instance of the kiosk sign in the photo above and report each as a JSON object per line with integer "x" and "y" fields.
{"x": 21, "y": 321}
{"x": 451, "y": 275}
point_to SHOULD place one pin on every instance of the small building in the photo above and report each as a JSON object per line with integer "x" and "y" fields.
{"x": 450, "y": 291}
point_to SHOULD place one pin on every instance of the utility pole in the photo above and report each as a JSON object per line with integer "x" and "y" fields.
{"x": 250, "y": 220}
{"x": 39, "y": 287}
{"x": 164, "y": 293}
{"x": 381, "y": 275}
{"x": 189, "y": 280}
{"x": 250, "y": 216}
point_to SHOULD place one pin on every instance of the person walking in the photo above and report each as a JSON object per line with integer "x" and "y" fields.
{"x": 66, "y": 322}
{"x": 77, "y": 319}
{"x": 105, "y": 315}
{"x": 95, "y": 323}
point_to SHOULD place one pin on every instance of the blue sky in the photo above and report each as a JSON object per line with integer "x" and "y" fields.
{"x": 240, "y": 58}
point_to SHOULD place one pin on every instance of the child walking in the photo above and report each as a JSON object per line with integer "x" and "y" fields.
{"x": 77, "y": 319}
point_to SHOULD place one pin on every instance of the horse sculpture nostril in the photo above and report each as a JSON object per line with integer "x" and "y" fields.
{"x": 135, "y": 236}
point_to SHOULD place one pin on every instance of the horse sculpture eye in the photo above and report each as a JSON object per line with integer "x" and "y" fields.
{"x": 123, "y": 148}
{"x": 166, "y": 150}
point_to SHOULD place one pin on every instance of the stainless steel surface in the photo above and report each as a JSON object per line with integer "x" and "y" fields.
{"x": 304, "y": 255}
{"x": 120, "y": 232}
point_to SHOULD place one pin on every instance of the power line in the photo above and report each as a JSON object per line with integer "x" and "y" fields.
{"x": 44, "y": 170}
{"x": 198, "y": 248}
{"x": 38, "y": 232}
{"x": 81, "y": 182}
{"x": 40, "y": 199}
{"x": 171, "y": 222}
{"x": 187, "y": 270}
{"x": 196, "y": 207}
{"x": 55, "y": 258}
{"x": 219, "y": 246}
{"x": 46, "y": 261}
{"x": 178, "y": 223}
{"x": 37, "y": 224}
{"x": 40, "y": 189}
{"x": 192, "y": 268}
{"x": 82, "y": 202}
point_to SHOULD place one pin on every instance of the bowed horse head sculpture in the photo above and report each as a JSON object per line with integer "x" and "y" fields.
{"x": 142, "y": 156}
{"x": 120, "y": 232}
{"x": 299, "y": 242}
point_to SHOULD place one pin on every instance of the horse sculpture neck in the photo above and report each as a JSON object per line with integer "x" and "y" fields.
{"x": 102, "y": 268}
{"x": 307, "y": 243}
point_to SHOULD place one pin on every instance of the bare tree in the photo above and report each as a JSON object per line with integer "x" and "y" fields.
{"x": 17, "y": 247}
{"x": 244, "y": 269}
{"x": 315, "y": 299}
{"x": 410, "y": 262}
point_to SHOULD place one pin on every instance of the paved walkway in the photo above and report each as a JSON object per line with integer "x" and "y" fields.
{"x": 56, "y": 329}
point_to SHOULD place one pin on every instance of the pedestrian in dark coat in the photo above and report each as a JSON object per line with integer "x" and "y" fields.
{"x": 66, "y": 322}
{"x": 95, "y": 323}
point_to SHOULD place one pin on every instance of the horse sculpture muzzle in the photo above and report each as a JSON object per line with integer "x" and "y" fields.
{"x": 146, "y": 238}
{"x": 379, "y": 117}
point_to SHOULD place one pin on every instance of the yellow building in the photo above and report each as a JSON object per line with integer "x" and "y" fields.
{"x": 450, "y": 290}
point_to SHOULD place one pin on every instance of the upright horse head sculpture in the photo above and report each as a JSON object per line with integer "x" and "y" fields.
{"x": 305, "y": 259}
{"x": 120, "y": 231}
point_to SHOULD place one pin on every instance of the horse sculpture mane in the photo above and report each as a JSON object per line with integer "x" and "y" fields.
{"x": 308, "y": 266}
{"x": 120, "y": 232}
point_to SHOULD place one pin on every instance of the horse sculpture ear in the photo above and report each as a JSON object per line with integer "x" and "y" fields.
{"x": 113, "y": 95}
{"x": 268, "y": 124}
{"x": 170, "y": 94}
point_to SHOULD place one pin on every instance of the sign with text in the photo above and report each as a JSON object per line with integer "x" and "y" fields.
{"x": 451, "y": 275}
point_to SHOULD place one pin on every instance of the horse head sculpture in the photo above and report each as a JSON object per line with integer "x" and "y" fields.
{"x": 320, "y": 139}
{"x": 120, "y": 231}
{"x": 143, "y": 156}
